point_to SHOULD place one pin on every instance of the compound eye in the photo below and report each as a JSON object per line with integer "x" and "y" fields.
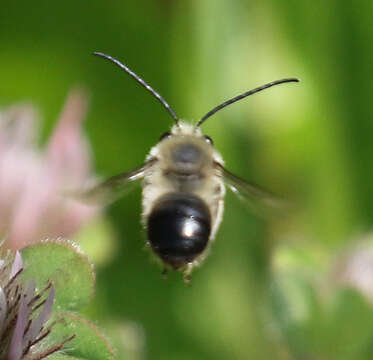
{"x": 165, "y": 135}
{"x": 209, "y": 140}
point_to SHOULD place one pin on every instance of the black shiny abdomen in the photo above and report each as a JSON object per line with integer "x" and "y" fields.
{"x": 179, "y": 228}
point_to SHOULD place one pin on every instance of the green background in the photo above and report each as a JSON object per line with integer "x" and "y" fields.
{"x": 267, "y": 289}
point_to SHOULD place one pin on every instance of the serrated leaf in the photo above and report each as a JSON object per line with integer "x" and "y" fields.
{"x": 89, "y": 342}
{"x": 62, "y": 263}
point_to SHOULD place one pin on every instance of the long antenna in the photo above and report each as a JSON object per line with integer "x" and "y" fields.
{"x": 142, "y": 82}
{"x": 245, "y": 94}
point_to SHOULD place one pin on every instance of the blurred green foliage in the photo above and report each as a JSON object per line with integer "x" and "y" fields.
{"x": 267, "y": 291}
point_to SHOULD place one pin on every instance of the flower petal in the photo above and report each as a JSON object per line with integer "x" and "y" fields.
{"x": 16, "y": 345}
{"x": 68, "y": 152}
{"x": 3, "y": 309}
{"x": 18, "y": 126}
{"x": 44, "y": 315}
{"x": 17, "y": 264}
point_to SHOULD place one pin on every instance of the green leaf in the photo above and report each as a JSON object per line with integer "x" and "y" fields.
{"x": 62, "y": 263}
{"x": 89, "y": 342}
{"x": 63, "y": 357}
{"x": 349, "y": 325}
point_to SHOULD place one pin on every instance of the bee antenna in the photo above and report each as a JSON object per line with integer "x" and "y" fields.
{"x": 245, "y": 94}
{"x": 141, "y": 82}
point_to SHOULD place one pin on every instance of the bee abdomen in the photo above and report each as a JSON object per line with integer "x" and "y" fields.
{"x": 179, "y": 228}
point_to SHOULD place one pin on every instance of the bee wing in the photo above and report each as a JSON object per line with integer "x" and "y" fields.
{"x": 259, "y": 200}
{"x": 114, "y": 187}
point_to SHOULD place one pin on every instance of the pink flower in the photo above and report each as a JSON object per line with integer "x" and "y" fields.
{"x": 33, "y": 182}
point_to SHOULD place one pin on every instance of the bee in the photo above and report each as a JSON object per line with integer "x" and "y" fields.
{"x": 183, "y": 186}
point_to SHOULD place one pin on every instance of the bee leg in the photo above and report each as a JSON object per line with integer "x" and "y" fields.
{"x": 164, "y": 273}
{"x": 187, "y": 274}
{"x": 187, "y": 279}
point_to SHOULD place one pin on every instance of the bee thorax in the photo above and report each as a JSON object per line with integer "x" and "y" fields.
{"x": 186, "y": 154}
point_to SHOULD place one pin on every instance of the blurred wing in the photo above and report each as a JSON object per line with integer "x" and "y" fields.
{"x": 114, "y": 187}
{"x": 260, "y": 201}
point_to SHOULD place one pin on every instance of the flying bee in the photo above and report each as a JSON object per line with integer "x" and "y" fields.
{"x": 183, "y": 186}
